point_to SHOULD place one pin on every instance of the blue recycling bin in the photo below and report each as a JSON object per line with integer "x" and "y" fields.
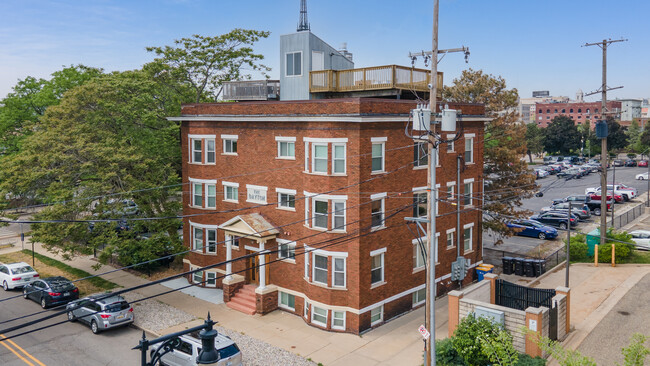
{"x": 480, "y": 272}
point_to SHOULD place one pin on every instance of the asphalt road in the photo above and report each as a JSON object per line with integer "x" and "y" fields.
{"x": 68, "y": 344}
{"x": 630, "y": 315}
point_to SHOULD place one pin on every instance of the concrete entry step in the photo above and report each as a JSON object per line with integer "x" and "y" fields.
{"x": 244, "y": 300}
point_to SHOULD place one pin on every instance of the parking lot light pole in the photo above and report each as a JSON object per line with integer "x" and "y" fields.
{"x": 568, "y": 245}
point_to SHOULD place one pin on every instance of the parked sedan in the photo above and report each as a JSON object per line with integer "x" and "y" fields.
{"x": 641, "y": 238}
{"x": 533, "y": 228}
{"x": 16, "y": 274}
{"x": 540, "y": 173}
{"x": 630, "y": 162}
{"x": 101, "y": 312}
{"x": 579, "y": 210}
{"x": 642, "y": 176}
{"x": 643, "y": 163}
{"x": 555, "y": 219}
{"x": 51, "y": 291}
{"x": 577, "y": 198}
{"x": 618, "y": 162}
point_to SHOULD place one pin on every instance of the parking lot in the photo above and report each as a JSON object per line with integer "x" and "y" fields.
{"x": 558, "y": 188}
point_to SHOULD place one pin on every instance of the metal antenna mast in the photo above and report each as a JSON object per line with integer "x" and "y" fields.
{"x": 303, "y": 24}
{"x": 603, "y": 156}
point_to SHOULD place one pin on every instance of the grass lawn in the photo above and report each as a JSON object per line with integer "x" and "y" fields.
{"x": 48, "y": 267}
{"x": 639, "y": 257}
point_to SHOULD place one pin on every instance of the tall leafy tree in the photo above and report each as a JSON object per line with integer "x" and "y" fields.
{"x": 561, "y": 136}
{"x": 534, "y": 140}
{"x": 634, "y": 137}
{"x": 616, "y": 136}
{"x": 21, "y": 110}
{"x": 106, "y": 141}
{"x": 508, "y": 180}
{"x": 206, "y": 62}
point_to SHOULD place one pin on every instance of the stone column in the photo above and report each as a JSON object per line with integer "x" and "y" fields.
{"x": 262, "y": 266}
{"x": 566, "y": 292}
{"x": 453, "y": 298}
{"x": 493, "y": 283}
{"x": 229, "y": 259}
{"x": 534, "y": 324}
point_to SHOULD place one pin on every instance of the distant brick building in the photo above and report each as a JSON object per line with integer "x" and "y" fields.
{"x": 578, "y": 111}
{"x": 311, "y": 197}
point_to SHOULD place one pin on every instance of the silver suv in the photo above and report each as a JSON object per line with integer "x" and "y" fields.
{"x": 107, "y": 313}
{"x": 190, "y": 345}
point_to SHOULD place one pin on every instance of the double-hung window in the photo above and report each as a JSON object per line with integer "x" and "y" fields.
{"x": 338, "y": 216}
{"x": 469, "y": 149}
{"x": 377, "y": 266}
{"x": 196, "y": 151}
{"x": 286, "y": 198}
{"x": 197, "y": 194}
{"x": 197, "y": 239}
{"x": 419, "y": 296}
{"x": 378, "y": 154}
{"x": 319, "y": 316}
{"x": 233, "y": 240}
{"x": 338, "y": 273}
{"x": 450, "y": 145}
{"x": 420, "y": 154}
{"x": 319, "y": 158}
{"x": 229, "y": 144}
{"x": 287, "y": 300}
{"x": 450, "y": 238}
{"x": 338, "y": 158}
{"x": 230, "y": 191}
{"x": 197, "y": 277}
{"x": 287, "y": 249}
{"x": 294, "y": 64}
{"x": 320, "y": 214}
{"x": 451, "y": 198}
{"x": 467, "y": 238}
{"x": 211, "y": 279}
{"x": 467, "y": 194}
{"x": 377, "y": 315}
{"x": 286, "y": 147}
{"x": 338, "y": 320}
{"x": 319, "y": 274}
{"x": 420, "y": 204}
{"x": 210, "y": 151}
{"x": 211, "y": 195}
{"x": 419, "y": 253}
{"x": 377, "y": 210}
{"x": 212, "y": 241}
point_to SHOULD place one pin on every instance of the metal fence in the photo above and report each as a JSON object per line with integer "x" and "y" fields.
{"x": 494, "y": 257}
{"x": 628, "y": 216}
{"x": 520, "y": 297}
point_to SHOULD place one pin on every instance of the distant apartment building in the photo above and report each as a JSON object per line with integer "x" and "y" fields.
{"x": 526, "y": 107}
{"x": 630, "y": 109}
{"x": 578, "y": 111}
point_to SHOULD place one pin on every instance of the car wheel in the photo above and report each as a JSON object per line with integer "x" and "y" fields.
{"x": 541, "y": 236}
{"x": 24, "y": 293}
{"x": 94, "y": 327}
{"x": 5, "y": 286}
{"x": 71, "y": 316}
{"x": 597, "y": 211}
{"x": 626, "y": 198}
{"x": 43, "y": 303}
{"x": 640, "y": 178}
{"x": 563, "y": 225}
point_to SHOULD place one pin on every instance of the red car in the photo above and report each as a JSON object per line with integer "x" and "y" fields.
{"x": 617, "y": 197}
{"x": 643, "y": 163}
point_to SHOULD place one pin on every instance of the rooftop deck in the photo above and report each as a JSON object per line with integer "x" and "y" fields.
{"x": 371, "y": 78}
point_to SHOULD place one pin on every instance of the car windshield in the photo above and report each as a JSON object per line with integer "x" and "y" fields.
{"x": 61, "y": 285}
{"x": 20, "y": 270}
{"x": 117, "y": 306}
{"x": 228, "y": 351}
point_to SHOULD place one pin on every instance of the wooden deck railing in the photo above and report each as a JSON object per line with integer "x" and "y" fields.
{"x": 371, "y": 78}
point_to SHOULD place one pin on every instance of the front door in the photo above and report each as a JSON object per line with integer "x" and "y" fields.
{"x": 253, "y": 272}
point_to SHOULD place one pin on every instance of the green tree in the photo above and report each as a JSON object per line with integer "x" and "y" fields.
{"x": 30, "y": 98}
{"x": 479, "y": 342}
{"x": 106, "y": 137}
{"x": 561, "y": 136}
{"x": 205, "y": 63}
{"x": 634, "y": 137}
{"x": 616, "y": 136}
{"x": 508, "y": 180}
{"x": 534, "y": 140}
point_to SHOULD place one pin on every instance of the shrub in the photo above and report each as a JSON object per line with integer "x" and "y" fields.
{"x": 526, "y": 360}
{"x": 446, "y": 355}
{"x": 622, "y": 252}
{"x": 479, "y": 342}
{"x": 578, "y": 248}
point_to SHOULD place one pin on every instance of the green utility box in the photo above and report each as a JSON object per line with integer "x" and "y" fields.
{"x": 593, "y": 238}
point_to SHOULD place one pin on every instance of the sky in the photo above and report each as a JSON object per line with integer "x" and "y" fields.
{"x": 533, "y": 45}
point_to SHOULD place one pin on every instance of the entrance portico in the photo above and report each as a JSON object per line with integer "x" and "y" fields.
{"x": 253, "y": 232}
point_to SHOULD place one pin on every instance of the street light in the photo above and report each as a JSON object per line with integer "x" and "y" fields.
{"x": 208, "y": 354}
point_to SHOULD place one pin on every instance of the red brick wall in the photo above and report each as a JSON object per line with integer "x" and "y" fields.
{"x": 256, "y": 164}
{"x": 578, "y": 118}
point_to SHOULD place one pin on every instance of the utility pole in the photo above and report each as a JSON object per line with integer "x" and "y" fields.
{"x": 603, "y": 155}
{"x": 568, "y": 244}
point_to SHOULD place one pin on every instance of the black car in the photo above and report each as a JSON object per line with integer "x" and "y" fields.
{"x": 51, "y": 291}
{"x": 618, "y": 162}
{"x": 630, "y": 162}
{"x": 555, "y": 219}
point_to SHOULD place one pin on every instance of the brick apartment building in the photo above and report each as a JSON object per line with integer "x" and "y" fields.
{"x": 578, "y": 111}
{"x": 308, "y": 198}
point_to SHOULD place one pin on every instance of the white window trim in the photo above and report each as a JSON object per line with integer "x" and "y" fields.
{"x": 214, "y": 152}
{"x": 471, "y": 193}
{"x": 225, "y": 138}
{"x": 232, "y": 185}
{"x": 375, "y": 253}
{"x": 471, "y": 238}
{"x": 192, "y": 151}
{"x": 378, "y": 139}
{"x": 285, "y": 138}
{"x": 287, "y": 242}
{"x": 192, "y": 202}
{"x": 468, "y": 180}
{"x": 207, "y": 284}
{"x": 207, "y": 197}
{"x": 317, "y": 322}
{"x": 193, "y": 234}
{"x": 344, "y": 316}
{"x": 283, "y": 306}
{"x": 345, "y": 160}
{"x": 382, "y": 225}
{"x": 378, "y": 251}
{"x": 416, "y": 243}
{"x": 312, "y": 169}
{"x": 313, "y": 269}
{"x": 471, "y": 145}
{"x": 207, "y": 245}
{"x": 288, "y": 192}
{"x": 285, "y": 64}
{"x": 451, "y": 144}
{"x": 345, "y": 272}
{"x": 335, "y": 215}
{"x": 313, "y": 216}
{"x": 325, "y": 140}
{"x": 281, "y": 139}
{"x": 381, "y": 318}
{"x": 421, "y": 301}
{"x": 383, "y": 158}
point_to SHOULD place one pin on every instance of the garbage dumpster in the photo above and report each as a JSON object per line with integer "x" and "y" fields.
{"x": 529, "y": 267}
{"x": 508, "y": 265}
{"x": 593, "y": 239}
{"x": 519, "y": 266}
{"x": 540, "y": 267}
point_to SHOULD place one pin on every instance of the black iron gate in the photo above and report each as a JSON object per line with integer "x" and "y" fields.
{"x": 519, "y": 297}
{"x": 552, "y": 323}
